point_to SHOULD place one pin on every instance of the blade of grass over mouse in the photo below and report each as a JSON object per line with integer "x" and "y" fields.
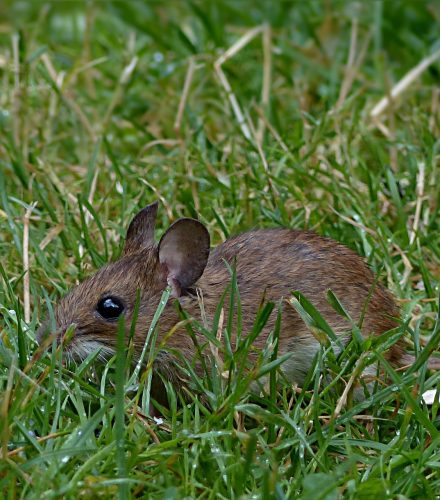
{"x": 149, "y": 346}
{"x": 121, "y": 364}
{"x": 207, "y": 366}
{"x": 234, "y": 308}
{"x": 274, "y": 340}
{"x": 338, "y": 307}
{"x": 162, "y": 303}
{"x": 313, "y": 319}
{"x": 134, "y": 320}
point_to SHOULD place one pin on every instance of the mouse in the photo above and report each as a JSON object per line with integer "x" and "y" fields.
{"x": 269, "y": 265}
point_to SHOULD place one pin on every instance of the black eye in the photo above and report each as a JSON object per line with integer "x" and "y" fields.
{"x": 110, "y": 307}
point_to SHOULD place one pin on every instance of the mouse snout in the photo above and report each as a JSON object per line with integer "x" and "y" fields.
{"x": 46, "y": 330}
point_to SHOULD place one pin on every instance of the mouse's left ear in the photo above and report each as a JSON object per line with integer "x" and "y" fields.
{"x": 184, "y": 251}
{"x": 140, "y": 233}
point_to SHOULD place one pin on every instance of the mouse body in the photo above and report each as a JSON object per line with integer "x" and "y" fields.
{"x": 269, "y": 265}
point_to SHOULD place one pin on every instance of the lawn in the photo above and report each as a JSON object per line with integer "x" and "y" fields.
{"x": 243, "y": 114}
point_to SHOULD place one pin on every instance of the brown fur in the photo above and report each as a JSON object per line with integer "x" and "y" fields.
{"x": 270, "y": 264}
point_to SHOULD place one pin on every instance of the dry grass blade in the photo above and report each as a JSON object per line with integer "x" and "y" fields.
{"x": 354, "y": 223}
{"x": 353, "y": 64}
{"x": 435, "y": 111}
{"x": 66, "y": 98}
{"x": 40, "y": 440}
{"x": 236, "y": 47}
{"x": 259, "y": 146}
{"x": 272, "y": 130}
{"x": 403, "y": 84}
{"x": 406, "y": 263}
{"x": 90, "y": 197}
{"x": 168, "y": 143}
{"x": 186, "y": 86}
{"x": 145, "y": 422}
{"x": 267, "y": 77}
{"x": 214, "y": 349}
{"x": 343, "y": 399}
{"x": 348, "y": 71}
{"x": 420, "y": 188}
{"x": 50, "y": 236}
{"x": 16, "y": 94}
{"x": 124, "y": 78}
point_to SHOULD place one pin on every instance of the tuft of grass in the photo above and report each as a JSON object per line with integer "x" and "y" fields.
{"x": 107, "y": 106}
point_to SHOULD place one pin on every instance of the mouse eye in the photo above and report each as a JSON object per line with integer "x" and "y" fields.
{"x": 110, "y": 307}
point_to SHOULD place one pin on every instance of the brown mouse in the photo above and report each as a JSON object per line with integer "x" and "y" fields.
{"x": 269, "y": 263}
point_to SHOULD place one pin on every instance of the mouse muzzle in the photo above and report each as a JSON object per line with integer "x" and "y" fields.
{"x": 46, "y": 333}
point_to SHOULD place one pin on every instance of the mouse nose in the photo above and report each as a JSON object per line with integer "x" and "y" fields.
{"x": 46, "y": 329}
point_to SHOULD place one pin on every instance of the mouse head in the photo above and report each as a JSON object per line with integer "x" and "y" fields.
{"x": 145, "y": 269}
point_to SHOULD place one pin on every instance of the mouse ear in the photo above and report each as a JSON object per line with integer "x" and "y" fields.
{"x": 140, "y": 233}
{"x": 184, "y": 250}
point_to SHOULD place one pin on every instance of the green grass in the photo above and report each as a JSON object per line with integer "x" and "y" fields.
{"x": 89, "y": 96}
